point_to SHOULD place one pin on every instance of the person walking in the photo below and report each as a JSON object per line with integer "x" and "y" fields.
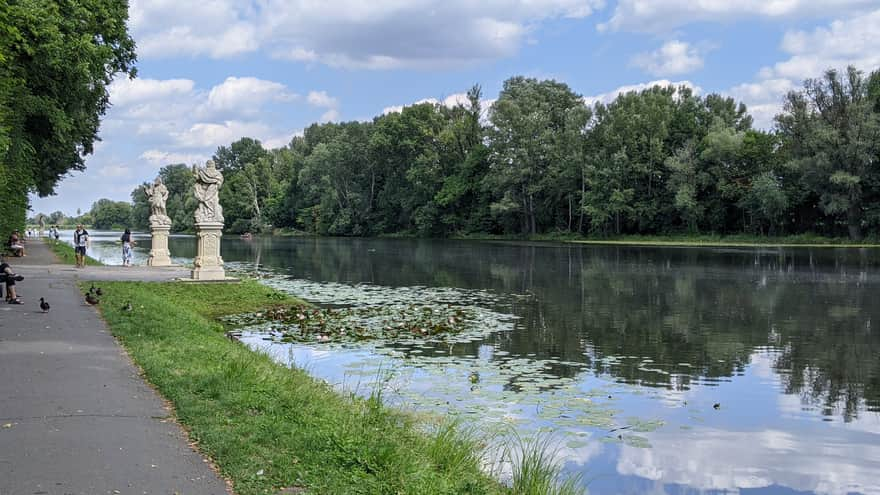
{"x": 127, "y": 243}
{"x": 80, "y": 245}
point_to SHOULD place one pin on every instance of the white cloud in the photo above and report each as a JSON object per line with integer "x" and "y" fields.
{"x": 126, "y": 92}
{"x": 282, "y": 139}
{"x": 663, "y": 15}
{"x": 159, "y": 158}
{"x": 449, "y": 102}
{"x": 674, "y": 57}
{"x": 611, "y": 95}
{"x": 178, "y": 122}
{"x": 217, "y": 28}
{"x": 330, "y": 115}
{"x": 321, "y": 99}
{"x": 382, "y": 34}
{"x": 852, "y": 41}
{"x": 245, "y": 95}
{"x": 211, "y": 135}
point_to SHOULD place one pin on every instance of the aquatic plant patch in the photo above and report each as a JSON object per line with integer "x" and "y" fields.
{"x": 305, "y": 324}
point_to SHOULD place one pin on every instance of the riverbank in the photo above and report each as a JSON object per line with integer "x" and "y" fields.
{"x": 707, "y": 240}
{"x": 268, "y": 427}
{"x": 804, "y": 240}
{"x": 67, "y": 255}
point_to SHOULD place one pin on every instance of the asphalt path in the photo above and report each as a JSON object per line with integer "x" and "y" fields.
{"x": 75, "y": 415}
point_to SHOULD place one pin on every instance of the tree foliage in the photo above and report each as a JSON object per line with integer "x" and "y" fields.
{"x": 541, "y": 160}
{"x": 108, "y": 214}
{"x": 56, "y": 60}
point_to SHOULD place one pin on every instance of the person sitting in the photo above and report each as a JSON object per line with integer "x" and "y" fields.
{"x": 16, "y": 245}
{"x": 9, "y": 277}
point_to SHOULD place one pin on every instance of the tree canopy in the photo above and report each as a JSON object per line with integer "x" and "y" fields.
{"x": 58, "y": 58}
{"x": 540, "y": 160}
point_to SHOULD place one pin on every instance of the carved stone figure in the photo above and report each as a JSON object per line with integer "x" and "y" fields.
{"x": 207, "y": 190}
{"x": 157, "y": 194}
{"x": 208, "y": 264}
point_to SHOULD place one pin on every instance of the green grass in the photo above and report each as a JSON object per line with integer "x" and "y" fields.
{"x": 66, "y": 253}
{"x": 539, "y": 469}
{"x": 267, "y": 426}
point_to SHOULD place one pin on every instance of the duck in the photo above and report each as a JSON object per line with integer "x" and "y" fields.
{"x": 716, "y": 406}
{"x": 44, "y": 305}
{"x": 127, "y": 307}
{"x": 92, "y": 299}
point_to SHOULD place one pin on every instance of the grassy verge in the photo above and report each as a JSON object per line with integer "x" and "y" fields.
{"x": 266, "y": 426}
{"x": 66, "y": 253}
{"x": 708, "y": 240}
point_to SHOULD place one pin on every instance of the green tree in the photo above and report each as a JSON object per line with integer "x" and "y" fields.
{"x": 831, "y": 130}
{"x": 250, "y": 181}
{"x": 140, "y": 208}
{"x": 56, "y": 60}
{"x": 55, "y": 218}
{"x": 108, "y": 214}
{"x": 181, "y": 204}
{"x": 527, "y": 138}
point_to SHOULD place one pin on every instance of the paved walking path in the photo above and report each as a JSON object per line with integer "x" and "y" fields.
{"x": 75, "y": 416}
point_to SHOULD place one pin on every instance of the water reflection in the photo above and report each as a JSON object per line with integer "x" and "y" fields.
{"x": 782, "y": 339}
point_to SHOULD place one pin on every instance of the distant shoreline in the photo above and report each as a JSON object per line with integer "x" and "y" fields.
{"x": 796, "y": 241}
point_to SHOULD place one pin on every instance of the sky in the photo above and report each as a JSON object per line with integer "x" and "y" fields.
{"x": 213, "y": 71}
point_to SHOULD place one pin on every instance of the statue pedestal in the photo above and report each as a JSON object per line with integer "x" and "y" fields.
{"x": 159, "y": 253}
{"x": 208, "y": 265}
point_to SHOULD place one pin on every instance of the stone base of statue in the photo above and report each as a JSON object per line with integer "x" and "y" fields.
{"x": 208, "y": 264}
{"x": 159, "y": 253}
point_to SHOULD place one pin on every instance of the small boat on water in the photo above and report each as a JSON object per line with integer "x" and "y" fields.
{"x": 246, "y": 235}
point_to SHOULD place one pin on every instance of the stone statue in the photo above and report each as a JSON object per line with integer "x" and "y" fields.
{"x": 208, "y": 264}
{"x": 157, "y": 193}
{"x": 208, "y": 182}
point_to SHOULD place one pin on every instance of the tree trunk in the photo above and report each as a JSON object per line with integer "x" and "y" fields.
{"x": 532, "y": 229}
{"x": 854, "y": 220}
{"x": 581, "y": 202}
{"x": 569, "y": 213}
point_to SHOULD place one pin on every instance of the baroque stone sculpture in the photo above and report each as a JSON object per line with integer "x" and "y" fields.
{"x": 208, "y": 183}
{"x": 157, "y": 194}
{"x": 208, "y": 264}
{"x": 160, "y": 223}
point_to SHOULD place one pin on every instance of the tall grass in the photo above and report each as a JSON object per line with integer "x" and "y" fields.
{"x": 538, "y": 468}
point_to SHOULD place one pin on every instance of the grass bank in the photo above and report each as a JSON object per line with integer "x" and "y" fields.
{"x": 708, "y": 240}
{"x": 66, "y": 253}
{"x": 268, "y": 427}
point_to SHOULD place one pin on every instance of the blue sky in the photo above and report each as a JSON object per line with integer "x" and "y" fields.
{"x": 210, "y": 72}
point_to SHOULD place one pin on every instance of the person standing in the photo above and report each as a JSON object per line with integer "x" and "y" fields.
{"x": 127, "y": 243}
{"x": 80, "y": 245}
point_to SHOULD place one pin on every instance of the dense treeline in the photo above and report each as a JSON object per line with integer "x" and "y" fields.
{"x": 50, "y": 107}
{"x": 540, "y": 160}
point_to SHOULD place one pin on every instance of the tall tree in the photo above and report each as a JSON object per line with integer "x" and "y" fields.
{"x": 527, "y": 137}
{"x": 831, "y": 129}
{"x": 56, "y": 60}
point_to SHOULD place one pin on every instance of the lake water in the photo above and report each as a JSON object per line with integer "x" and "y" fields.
{"x": 656, "y": 370}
